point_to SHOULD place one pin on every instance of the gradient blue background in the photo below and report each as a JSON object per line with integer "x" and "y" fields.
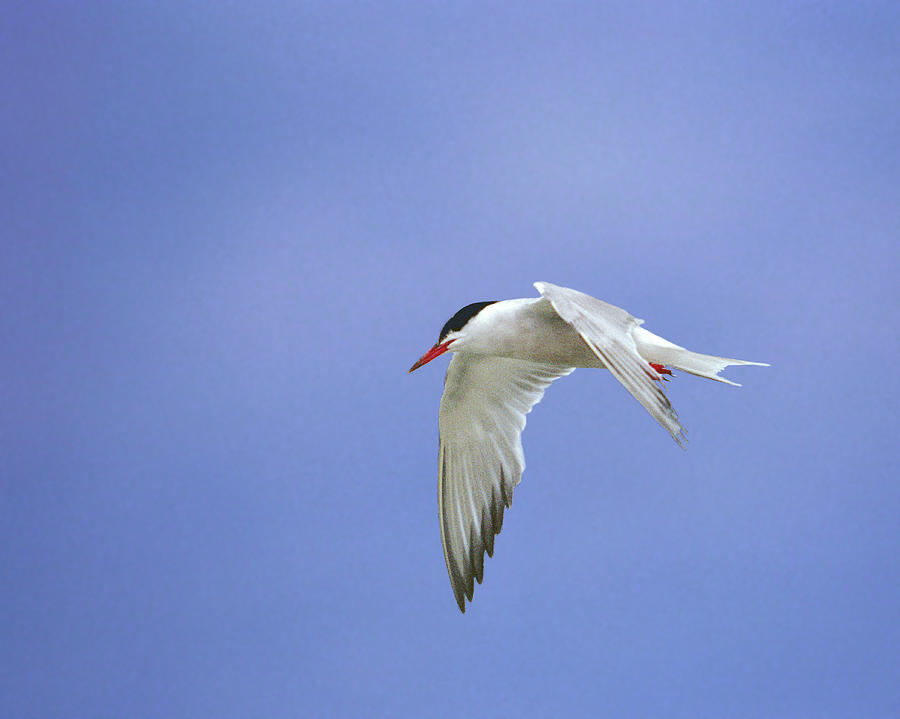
{"x": 228, "y": 229}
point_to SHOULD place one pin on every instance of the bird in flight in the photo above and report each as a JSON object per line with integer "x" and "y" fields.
{"x": 505, "y": 354}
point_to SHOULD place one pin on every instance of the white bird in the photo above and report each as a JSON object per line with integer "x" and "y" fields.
{"x": 506, "y": 353}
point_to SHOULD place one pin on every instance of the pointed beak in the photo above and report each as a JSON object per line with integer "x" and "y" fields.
{"x": 435, "y": 351}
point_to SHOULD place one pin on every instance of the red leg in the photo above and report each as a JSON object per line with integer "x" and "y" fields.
{"x": 660, "y": 369}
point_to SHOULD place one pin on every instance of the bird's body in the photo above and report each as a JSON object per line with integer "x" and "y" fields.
{"x": 505, "y": 354}
{"x": 527, "y": 329}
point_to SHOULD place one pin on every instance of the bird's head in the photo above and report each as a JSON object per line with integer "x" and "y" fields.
{"x": 452, "y": 333}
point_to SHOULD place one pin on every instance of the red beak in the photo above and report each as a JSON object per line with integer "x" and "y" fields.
{"x": 435, "y": 351}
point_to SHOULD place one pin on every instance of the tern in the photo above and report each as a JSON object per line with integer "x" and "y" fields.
{"x": 505, "y": 354}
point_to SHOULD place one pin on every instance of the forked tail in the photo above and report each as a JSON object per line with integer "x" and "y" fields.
{"x": 657, "y": 350}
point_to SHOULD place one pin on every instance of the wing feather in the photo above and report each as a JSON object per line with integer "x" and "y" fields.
{"x": 607, "y": 331}
{"x": 482, "y": 416}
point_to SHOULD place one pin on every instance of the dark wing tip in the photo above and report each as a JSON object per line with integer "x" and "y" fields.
{"x": 463, "y": 580}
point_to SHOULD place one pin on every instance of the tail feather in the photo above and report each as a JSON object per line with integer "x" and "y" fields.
{"x": 654, "y": 348}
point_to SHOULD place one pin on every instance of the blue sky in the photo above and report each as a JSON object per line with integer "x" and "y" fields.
{"x": 230, "y": 228}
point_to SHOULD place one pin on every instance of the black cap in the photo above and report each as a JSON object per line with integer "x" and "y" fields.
{"x": 459, "y": 320}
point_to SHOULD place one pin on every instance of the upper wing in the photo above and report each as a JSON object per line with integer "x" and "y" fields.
{"x": 482, "y": 416}
{"x": 607, "y": 331}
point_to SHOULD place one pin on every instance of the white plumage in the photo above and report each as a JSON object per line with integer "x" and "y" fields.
{"x": 505, "y": 355}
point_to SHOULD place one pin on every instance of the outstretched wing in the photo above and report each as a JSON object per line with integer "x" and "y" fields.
{"x": 482, "y": 416}
{"x": 607, "y": 331}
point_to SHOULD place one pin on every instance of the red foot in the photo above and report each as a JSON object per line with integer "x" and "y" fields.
{"x": 660, "y": 369}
